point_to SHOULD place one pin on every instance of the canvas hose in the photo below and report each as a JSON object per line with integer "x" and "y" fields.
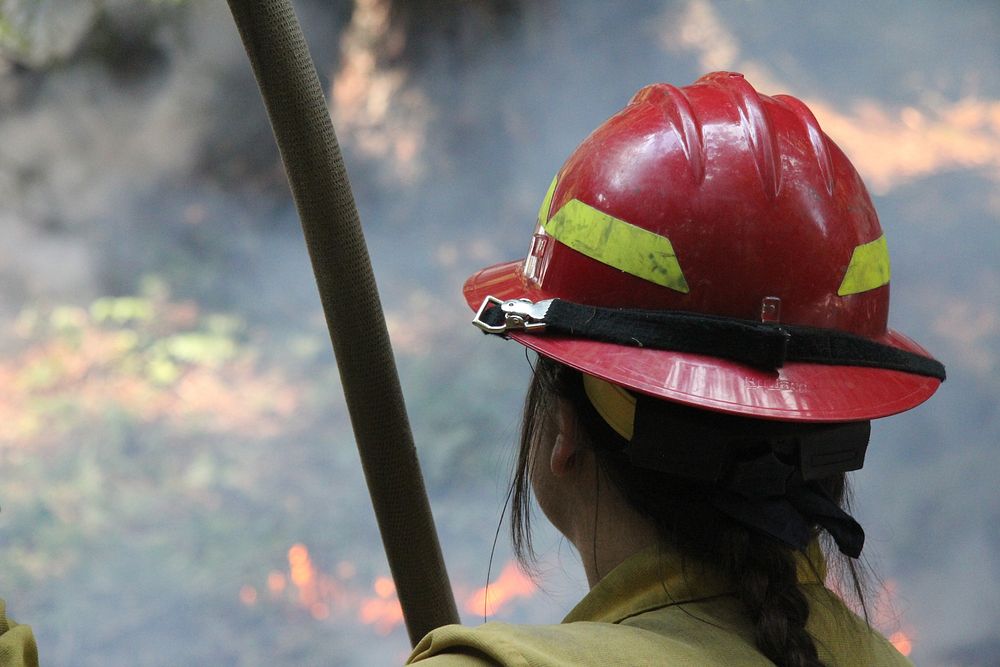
{"x": 304, "y": 133}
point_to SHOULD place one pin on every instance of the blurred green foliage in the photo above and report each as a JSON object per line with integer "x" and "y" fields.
{"x": 152, "y": 447}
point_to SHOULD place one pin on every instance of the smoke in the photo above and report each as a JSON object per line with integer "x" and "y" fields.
{"x": 136, "y": 161}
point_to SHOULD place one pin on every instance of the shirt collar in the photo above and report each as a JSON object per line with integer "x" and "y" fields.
{"x": 656, "y": 577}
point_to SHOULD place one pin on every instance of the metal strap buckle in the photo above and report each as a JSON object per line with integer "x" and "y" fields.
{"x": 519, "y": 315}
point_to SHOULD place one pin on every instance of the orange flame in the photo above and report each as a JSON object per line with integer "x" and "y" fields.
{"x": 303, "y": 573}
{"x": 884, "y": 612}
{"x": 382, "y": 116}
{"x": 887, "y": 618}
{"x": 338, "y": 595}
{"x": 902, "y": 642}
{"x": 330, "y": 595}
{"x": 511, "y": 584}
{"x": 888, "y": 146}
{"x": 384, "y": 610}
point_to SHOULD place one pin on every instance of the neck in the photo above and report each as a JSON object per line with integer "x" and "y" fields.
{"x": 608, "y": 531}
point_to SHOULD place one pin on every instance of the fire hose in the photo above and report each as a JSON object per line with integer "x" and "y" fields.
{"x": 311, "y": 155}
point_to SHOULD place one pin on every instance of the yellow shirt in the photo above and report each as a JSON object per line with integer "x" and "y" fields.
{"x": 651, "y": 610}
{"x": 17, "y": 644}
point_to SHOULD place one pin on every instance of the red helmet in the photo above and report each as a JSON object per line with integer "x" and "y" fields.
{"x": 717, "y": 201}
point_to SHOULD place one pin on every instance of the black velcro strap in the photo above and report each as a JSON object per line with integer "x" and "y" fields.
{"x": 762, "y": 345}
{"x": 746, "y": 341}
{"x": 826, "y": 346}
{"x": 709, "y": 446}
{"x": 762, "y": 472}
{"x": 789, "y": 518}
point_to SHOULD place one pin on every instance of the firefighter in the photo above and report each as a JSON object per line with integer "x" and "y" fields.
{"x": 707, "y": 289}
{"x": 17, "y": 643}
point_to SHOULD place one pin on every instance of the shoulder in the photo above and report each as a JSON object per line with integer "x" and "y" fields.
{"x": 843, "y": 638}
{"x": 705, "y": 633}
{"x": 17, "y": 643}
{"x": 576, "y": 644}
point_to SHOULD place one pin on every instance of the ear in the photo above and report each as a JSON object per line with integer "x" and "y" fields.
{"x": 565, "y": 448}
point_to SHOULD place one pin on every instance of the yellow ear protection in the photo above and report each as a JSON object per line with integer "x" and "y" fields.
{"x": 615, "y": 404}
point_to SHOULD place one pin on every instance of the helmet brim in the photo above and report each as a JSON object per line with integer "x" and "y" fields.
{"x": 795, "y": 392}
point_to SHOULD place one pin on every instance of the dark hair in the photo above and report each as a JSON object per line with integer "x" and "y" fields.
{"x": 761, "y": 569}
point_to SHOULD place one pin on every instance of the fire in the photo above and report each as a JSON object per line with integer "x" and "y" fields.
{"x": 330, "y": 596}
{"x": 890, "y": 147}
{"x": 338, "y": 596}
{"x": 511, "y": 584}
{"x": 884, "y": 613}
{"x": 384, "y": 587}
{"x": 384, "y": 610}
{"x": 384, "y": 614}
{"x": 374, "y": 109}
{"x": 888, "y": 620}
{"x": 303, "y": 573}
{"x": 902, "y": 642}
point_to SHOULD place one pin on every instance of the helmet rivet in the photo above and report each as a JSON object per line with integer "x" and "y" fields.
{"x": 770, "y": 309}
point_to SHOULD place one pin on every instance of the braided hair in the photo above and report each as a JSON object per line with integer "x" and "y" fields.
{"x": 761, "y": 570}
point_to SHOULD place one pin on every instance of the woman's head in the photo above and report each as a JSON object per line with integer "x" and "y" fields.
{"x": 680, "y": 506}
{"x": 594, "y": 474}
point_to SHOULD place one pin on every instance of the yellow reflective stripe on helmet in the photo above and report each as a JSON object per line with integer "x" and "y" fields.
{"x": 614, "y": 242}
{"x": 869, "y": 268}
{"x": 615, "y": 405}
{"x": 543, "y": 212}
